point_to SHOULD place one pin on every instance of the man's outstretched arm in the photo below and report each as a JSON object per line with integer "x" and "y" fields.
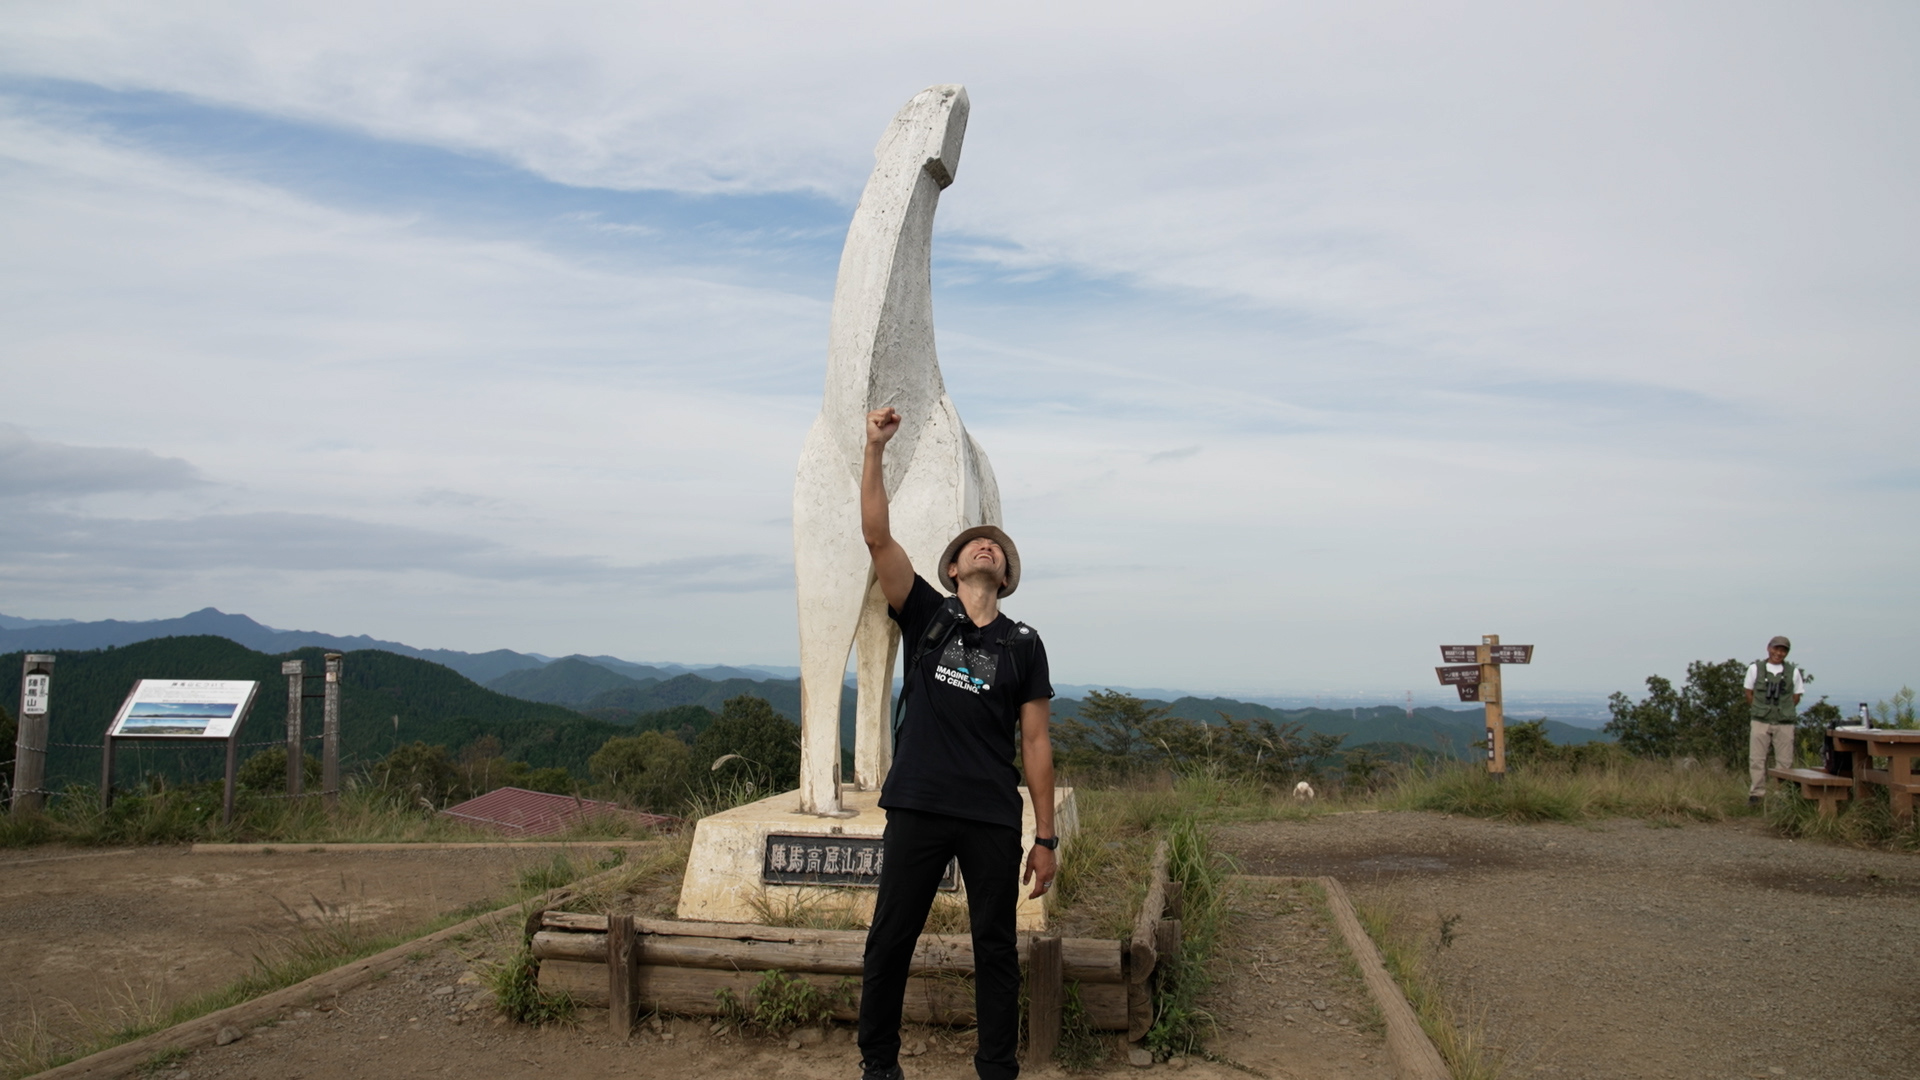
{"x": 890, "y": 562}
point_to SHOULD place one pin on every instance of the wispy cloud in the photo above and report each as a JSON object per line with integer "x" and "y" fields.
{"x": 1566, "y": 323}
{"x": 49, "y": 470}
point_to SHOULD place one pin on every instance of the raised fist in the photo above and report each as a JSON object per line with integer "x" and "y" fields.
{"x": 882, "y": 424}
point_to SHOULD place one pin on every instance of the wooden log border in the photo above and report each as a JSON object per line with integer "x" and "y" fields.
{"x": 1414, "y": 1055}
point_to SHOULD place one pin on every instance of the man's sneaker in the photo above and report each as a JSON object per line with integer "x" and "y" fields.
{"x": 891, "y": 1072}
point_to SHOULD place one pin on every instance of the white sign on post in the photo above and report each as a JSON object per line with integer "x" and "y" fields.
{"x": 183, "y": 708}
{"x": 33, "y": 698}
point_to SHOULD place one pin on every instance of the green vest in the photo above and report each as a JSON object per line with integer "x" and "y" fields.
{"x": 1773, "y": 694}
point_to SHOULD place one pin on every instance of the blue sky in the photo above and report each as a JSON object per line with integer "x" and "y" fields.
{"x": 1302, "y": 337}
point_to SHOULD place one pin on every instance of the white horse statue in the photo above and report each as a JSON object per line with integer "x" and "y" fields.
{"x": 879, "y": 353}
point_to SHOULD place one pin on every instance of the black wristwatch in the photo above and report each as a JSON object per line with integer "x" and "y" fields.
{"x": 1048, "y": 842}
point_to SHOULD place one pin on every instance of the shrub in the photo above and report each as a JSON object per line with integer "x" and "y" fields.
{"x": 648, "y": 769}
{"x": 767, "y": 745}
{"x": 418, "y": 771}
{"x": 267, "y": 771}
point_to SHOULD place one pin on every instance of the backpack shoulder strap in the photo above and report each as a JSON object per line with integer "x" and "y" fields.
{"x": 939, "y": 628}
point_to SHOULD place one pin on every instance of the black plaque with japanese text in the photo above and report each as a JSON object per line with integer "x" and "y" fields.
{"x": 854, "y": 861}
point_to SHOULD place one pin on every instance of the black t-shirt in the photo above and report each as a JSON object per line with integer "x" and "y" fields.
{"x": 954, "y": 754}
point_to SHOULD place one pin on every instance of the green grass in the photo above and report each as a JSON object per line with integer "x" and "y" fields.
{"x": 1413, "y": 961}
{"x": 781, "y": 1002}
{"x": 31, "y": 1045}
{"x": 1869, "y": 823}
{"x": 1660, "y": 791}
{"x": 181, "y": 815}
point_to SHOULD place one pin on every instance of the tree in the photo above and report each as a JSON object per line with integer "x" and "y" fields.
{"x": 767, "y": 745}
{"x": 1649, "y": 728}
{"x": 417, "y": 772}
{"x": 267, "y": 771}
{"x": 1111, "y": 733}
{"x": 648, "y": 769}
{"x": 1706, "y": 719}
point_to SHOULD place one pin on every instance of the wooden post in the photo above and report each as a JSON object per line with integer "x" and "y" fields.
{"x": 1169, "y": 940}
{"x": 1176, "y": 900}
{"x": 106, "y": 772}
{"x": 296, "y": 673}
{"x": 623, "y": 963}
{"x": 233, "y": 772}
{"x": 330, "y": 734}
{"x": 30, "y": 735}
{"x": 1496, "y": 717}
{"x": 1046, "y": 995}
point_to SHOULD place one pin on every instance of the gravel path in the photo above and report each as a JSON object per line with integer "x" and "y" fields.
{"x": 1623, "y": 949}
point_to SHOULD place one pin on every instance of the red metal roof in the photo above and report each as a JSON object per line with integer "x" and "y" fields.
{"x": 537, "y": 813}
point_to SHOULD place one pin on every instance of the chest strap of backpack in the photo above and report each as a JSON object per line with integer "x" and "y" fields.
{"x": 1020, "y": 643}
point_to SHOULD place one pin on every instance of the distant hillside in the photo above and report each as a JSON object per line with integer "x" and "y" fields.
{"x": 432, "y": 703}
{"x": 52, "y": 635}
{"x": 1448, "y": 731}
{"x": 782, "y": 694}
{"x": 570, "y": 681}
{"x": 110, "y": 633}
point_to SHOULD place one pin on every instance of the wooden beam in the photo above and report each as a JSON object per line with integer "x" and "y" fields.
{"x": 1146, "y": 925}
{"x": 1413, "y": 1053}
{"x": 1096, "y": 960}
{"x": 936, "y": 999}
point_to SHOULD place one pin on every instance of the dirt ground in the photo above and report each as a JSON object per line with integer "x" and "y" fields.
{"x": 98, "y": 935}
{"x": 1622, "y": 949}
{"x": 433, "y": 1018}
{"x": 1612, "y": 950}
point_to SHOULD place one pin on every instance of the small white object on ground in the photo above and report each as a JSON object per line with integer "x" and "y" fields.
{"x": 1303, "y": 792}
{"x": 1139, "y": 1058}
{"x": 228, "y": 1036}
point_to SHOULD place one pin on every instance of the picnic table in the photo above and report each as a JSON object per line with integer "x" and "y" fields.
{"x": 1899, "y": 747}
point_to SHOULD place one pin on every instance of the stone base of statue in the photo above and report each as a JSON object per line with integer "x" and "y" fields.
{"x": 769, "y": 863}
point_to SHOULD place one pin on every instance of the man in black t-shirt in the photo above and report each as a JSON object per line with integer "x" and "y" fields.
{"x": 953, "y": 791}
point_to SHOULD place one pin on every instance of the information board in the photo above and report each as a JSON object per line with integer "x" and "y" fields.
{"x": 183, "y": 709}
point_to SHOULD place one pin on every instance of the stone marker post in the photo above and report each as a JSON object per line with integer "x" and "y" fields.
{"x": 296, "y": 673}
{"x": 30, "y": 735}
{"x": 330, "y": 734}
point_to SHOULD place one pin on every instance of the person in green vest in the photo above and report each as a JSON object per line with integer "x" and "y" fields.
{"x": 1774, "y": 686}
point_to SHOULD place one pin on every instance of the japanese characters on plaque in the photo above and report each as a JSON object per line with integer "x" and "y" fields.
{"x": 833, "y": 860}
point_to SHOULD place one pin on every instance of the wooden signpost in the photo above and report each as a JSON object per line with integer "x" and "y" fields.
{"x": 1474, "y": 670}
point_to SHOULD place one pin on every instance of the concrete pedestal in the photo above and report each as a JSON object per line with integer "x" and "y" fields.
{"x": 724, "y": 880}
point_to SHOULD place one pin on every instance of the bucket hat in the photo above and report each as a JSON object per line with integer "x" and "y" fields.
{"x": 993, "y": 533}
{"x": 1780, "y": 641}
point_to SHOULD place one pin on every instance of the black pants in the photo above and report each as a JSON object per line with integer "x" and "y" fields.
{"x": 918, "y": 846}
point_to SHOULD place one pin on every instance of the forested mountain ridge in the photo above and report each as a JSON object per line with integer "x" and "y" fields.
{"x": 1449, "y": 731}
{"x": 386, "y": 699}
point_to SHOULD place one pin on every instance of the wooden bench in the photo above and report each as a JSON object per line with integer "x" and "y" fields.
{"x": 1815, "y": 784}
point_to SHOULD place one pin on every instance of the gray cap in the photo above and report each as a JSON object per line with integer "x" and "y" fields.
{"x": 993, "y": 533}
{"x": 1780, "y": 641}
